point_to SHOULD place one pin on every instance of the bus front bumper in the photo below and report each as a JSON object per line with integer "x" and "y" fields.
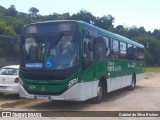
{"x": 78, "y": 92}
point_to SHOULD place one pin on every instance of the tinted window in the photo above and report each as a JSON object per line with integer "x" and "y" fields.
{"x": 107, "y": 47}
{"x": 88, "y": 47}
{"x": 63, "y": 52}
{"x": 131, "y": 52}
{"x": 8, "y": 71}
{"x": 140, "y": 53}
{"x": 123, "y": 49}
{"x": 115, "y": 45}
{"x": 115, "y": 49}
{"x": 100, "y": 47}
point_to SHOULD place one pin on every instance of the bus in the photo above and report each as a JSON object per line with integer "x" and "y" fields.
{"x": 72, "y": 60}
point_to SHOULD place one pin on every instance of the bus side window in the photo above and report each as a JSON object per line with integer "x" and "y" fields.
{"x": 140, "y": 53}
{"x": 135, "y": 52}
{"x": 123, "y": 49}
{"x": 100, "y": 48}
{"x": 115, "y": 49}
{"x": 88, "y": 47}
{"x": 131, "y": 52}
{"x": 107, "y": 47}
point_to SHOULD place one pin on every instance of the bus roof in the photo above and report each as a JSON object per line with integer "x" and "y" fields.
{"x": 102, "y": 31}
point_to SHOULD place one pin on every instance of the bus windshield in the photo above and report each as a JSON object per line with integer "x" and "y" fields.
{"x": 51, "y": 52}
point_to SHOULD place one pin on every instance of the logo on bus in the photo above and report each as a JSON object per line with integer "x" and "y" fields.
{"x": 131, "y": 64}
{"x": 112, "y": 67}
{"x": 49, "y": 63}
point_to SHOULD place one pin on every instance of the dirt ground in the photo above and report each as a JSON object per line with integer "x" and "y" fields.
{"x": 146, "y": 97}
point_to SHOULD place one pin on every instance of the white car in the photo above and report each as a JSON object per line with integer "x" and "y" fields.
{"x": 9, "y": 80}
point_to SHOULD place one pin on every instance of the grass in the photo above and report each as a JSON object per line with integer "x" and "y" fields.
{"x": 152, "y": 69}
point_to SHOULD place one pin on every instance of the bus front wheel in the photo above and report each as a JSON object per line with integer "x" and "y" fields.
{"x": 100, "y": 93}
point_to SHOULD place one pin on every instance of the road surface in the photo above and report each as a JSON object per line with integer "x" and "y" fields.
{"x": 146, "y": 97}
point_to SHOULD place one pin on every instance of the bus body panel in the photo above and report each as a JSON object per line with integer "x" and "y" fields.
{"x": 78, "y": 92}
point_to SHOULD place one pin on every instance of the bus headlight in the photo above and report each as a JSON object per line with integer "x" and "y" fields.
{"x": 72, "y": 82}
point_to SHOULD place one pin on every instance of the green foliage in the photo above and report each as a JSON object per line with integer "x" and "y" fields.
{"x": 6, "y": 30}
{"x": 152, "y": 48}
{"x": 12, "y": 22}
{"x": 33, "y": 12}
{"x": 2, "y": 10}
{"x": 11, "y": 11}
{"x": 152, "y": 69}
{"x": 83, "y": 15}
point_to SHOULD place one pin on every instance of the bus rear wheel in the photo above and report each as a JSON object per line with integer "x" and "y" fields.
{"x": 100, "y": 93}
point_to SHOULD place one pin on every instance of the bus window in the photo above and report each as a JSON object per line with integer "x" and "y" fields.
{"x": 100, "y": 48}
{"x": 136, "y": 53}
{"x": 107, "y": 47}
{"x": 88, "y": 47}
{"x": 30, "y": 48}
{"x": 140, "y": 53}
{"x": 115, "y": 49}
{"x": 131, "y": 52}
{"x": 123, "y": 49}
{"x": 142, "y": 50}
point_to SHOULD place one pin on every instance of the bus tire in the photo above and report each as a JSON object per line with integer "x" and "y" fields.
{"x": 133, "y": 85}
{"x": 100, "y": 94}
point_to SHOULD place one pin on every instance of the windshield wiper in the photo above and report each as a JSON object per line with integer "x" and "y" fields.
{"x": 53, "y": 43}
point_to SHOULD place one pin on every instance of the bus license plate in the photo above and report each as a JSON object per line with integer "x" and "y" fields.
{"x": 46, "y": 97}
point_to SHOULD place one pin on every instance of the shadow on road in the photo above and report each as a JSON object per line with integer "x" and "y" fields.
{"x": 79, "y": 106}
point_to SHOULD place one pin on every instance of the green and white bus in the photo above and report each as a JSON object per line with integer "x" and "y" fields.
{"x": 76, "y": 61}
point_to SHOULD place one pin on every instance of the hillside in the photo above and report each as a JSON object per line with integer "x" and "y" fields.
{"x": 12, "y": 22}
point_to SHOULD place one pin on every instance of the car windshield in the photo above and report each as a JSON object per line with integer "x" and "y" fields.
{"x": 8, "y": 71}
{"x": 52, "y": 52}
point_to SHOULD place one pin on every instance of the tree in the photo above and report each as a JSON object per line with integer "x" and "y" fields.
{"x": 2, "y": 10}
{"x": 6, "y": 30}
{"x": 11, "y": 11}
{"x": 33, "y": 12}
{"x": 156, "y": 33}
{"x": 152, "y": 48}
{"x": 120, "y": 30}
{"x": 105, "y": 22}
{"x": 132, "y": 32}
{"x": 85, "y": 16}
{"x": 142, "y": 30}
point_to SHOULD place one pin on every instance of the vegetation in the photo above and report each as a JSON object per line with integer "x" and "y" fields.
{"x": 152, "y": 69}
{"x": 12, "y": 22}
